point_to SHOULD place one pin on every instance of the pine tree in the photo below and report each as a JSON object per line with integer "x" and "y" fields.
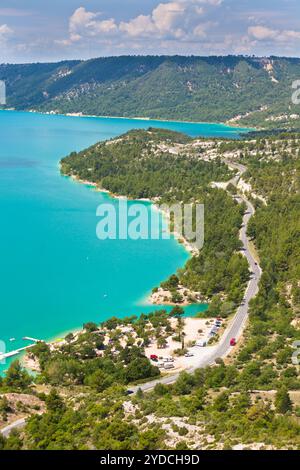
{"x": 283, "y": 402}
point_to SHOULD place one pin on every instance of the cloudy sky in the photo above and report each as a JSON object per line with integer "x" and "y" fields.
{"x": 34, "y": 30}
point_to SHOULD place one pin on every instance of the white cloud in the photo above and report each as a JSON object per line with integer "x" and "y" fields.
{"x": 81, "y": 19}
{"x": 85, "y": 23}
{"x": 177, "y": 19}
{"x": 200, "y": 31}
{"x": 168, "y": 16}
{"x": 164, "y": 20}
{"x": 263, "y": 33}
{"x": 5, "y": 32}
{"x": 105, "y": 26}
{"x": 288, "y": 35}
{"x": 142, "y": 25}
{"x": 207, "y": 2}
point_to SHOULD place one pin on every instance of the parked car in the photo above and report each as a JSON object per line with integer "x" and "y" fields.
{"x": 160, "y": 364}
{"x": 188, "y": 354}
{"x": 232, "y": 342}
{"x": 169, "y": 365}
{"x": 154, "y": 357}
{"x": 168, "y": 359}
{"x": 201, "y": 344}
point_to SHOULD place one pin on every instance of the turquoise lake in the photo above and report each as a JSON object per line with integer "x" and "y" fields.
{"x": 55, "y": 274}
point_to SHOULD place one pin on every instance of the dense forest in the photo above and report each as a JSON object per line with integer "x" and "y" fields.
{"x": 213, "y": 89}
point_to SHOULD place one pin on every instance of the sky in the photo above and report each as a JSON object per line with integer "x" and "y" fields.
{"x": 40, "y": 31}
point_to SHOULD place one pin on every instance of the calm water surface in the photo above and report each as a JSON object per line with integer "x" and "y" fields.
{"x": 54, "y": 272}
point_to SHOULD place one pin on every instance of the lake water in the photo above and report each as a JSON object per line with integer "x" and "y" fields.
{"x": 55, "y": 274}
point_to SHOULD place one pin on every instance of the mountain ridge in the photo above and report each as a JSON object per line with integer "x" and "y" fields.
{"x": 237, "y": 89}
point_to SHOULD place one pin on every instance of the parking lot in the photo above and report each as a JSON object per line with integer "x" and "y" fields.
{"x": 197, "y": 331}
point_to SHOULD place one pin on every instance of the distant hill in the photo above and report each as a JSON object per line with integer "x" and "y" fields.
{"x": 185, "y": 88}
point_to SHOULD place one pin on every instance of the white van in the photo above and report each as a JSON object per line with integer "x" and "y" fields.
{"x": 201, "y": 344}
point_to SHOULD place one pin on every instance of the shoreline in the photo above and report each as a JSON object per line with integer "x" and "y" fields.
{"x": 157, "y": 298}
{"x": 135, "y": 118}
{"x": 191, "y": 329}
{"x": 180, "y": 239}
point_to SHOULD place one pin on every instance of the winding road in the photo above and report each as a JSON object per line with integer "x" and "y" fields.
{"x": 236, "y": 327}
{"x": 20, "y": 423}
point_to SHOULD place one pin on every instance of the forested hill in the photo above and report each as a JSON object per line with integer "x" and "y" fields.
{"x": 184, "y": 88}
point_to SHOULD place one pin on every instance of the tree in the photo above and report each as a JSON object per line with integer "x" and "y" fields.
{"x": 88, "y": 351}
{"x": 69, "y": 338}
{"x": 221, "y": 403}
{"x": 161, "y": 342}
{"x": 176, "y": 297}
{"x": 151, "y": 439}
{"x": 4, "y": 407}
{"x": 99, "y": 380}
{"x": 214, "y": 309}
{"x": 139, "y": 394}
{"x": 13, "y": 442}
{"x": 178, "y": 312}
{"x": 2, "y": 442}
{"x": 90, "y": 327}
{"x": 17, "y": 377}
{"x": 184, "y": 384}
{"x": 182, "y": 445}
{"x": 42, "y": 351}
{"x": 54, "y": 402}
{"x": 161, "y": 389}
{"x": 140, "y": 368}
{"x": 283, "y": 402}
{"x": 171, "y": 283}
{"x": 120, "y": 430}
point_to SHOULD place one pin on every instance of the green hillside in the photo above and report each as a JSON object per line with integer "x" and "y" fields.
{"x": 184, "y": 88}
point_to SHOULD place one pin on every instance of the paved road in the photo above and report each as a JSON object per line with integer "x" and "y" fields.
{"x": 15, "y": 425}
{"x": 237, "y": 325}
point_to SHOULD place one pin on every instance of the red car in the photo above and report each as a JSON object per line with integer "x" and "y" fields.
{"x": 154, "y": 357}
{"x": 232, "y": 342}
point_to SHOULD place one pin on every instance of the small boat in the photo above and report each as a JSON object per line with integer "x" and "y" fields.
{"x": 12, "y": 339}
